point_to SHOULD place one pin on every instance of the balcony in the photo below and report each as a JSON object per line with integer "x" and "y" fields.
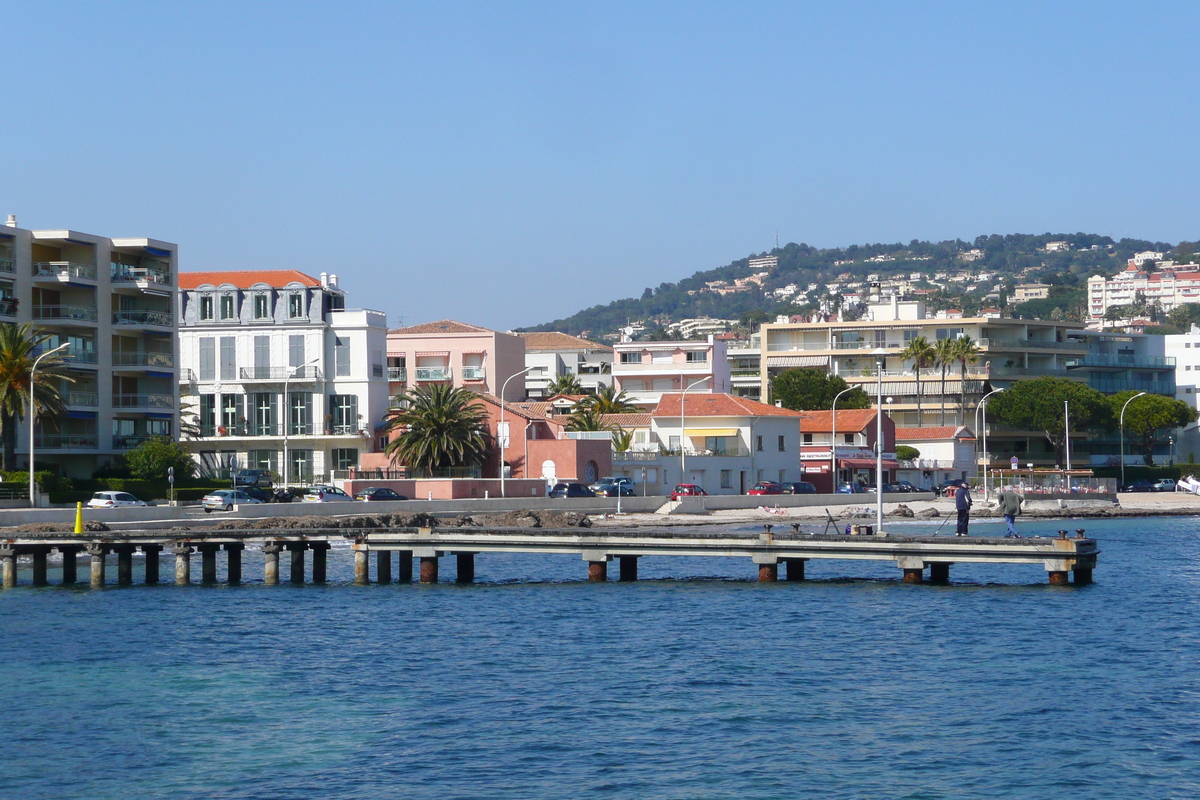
{"x": 8, "y": 265}
{"x": 129, "y": 442}
{"x": 144, "y": 359}
{"x": 397, "y": 374}
{"x": 64, "y": 271}
{"x": 9, "y": 306}
{"x": 187, "y": 376}
{"x": 1151, "y": 387}
{"x": 434, "y": 374}
{"x": 667, "y": 367}
{"x": 312, "y": 373}
{"x": 160, "y": 319}
{"x": 84, "y": 399}
{"x": 1097, "y": 361}
{"x": 72, "y": 355}
{"x": 121, "y": 273}
{"x": 157, "y": 401}
{"x": 473, "y": 373}
{"x": 66, "y": 314}
{"x": 66, "y": 441}
{"x": 1046, "y": 344}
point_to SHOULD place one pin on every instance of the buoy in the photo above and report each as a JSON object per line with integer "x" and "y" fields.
{"x": 79, "y": 518}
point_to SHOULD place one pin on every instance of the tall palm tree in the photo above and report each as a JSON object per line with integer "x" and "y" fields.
{"x": 586, "y": 418}
{"x": 437, "y": 427}
{"x": 922, "y": 354}
{"x": 943, "y": 356}
{"x": 965, "y": 351}
{"x": 20, "y": 345}
{"x": 609, "y": 401}
{"x": 564, "y": 384}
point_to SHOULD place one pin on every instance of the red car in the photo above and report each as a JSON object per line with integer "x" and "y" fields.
{"x": 687, "y": 490}
{"x": 766, "y": 487}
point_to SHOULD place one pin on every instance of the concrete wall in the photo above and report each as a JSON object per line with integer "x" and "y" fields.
{"x": 447, "y": 489}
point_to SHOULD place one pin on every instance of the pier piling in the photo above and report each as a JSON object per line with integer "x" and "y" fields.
{"x": 124, "y": 564}
{"x": 320, "y": 560}
{"x": 362, "y": 573}
{"x": 466, "y": 568}
{"x": 270, "y": 552}
{"x": 233, "y": 564}
{"x": 1059, "y": 577}
{"x": 69, "y": 572}
{"x": 939, "y": 572}
{"x": 96, "y": 572}
{"x": 183, "y": 564}
{"x": 768, "y": 573}
{"x": 914, "y": 575}
{"x": 40, "y": 555}
{"x": 152, "y": 551}
{"x": 597, "y": 570}
{"x": 404, "y": 568}
{"x": 383, "y": 566}
{"x": 629, "y": 568}
{"x": 1082, "y": 576}
{"x": 429, "y": 569}
{"x": 296, "y": 562}
{"x": 208, "y": 562}
{"x": 795, "y": 569}
{"x": 8, "y": 566}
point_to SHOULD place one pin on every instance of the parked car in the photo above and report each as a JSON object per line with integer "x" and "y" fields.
{"x": 1140, "y": 485}
{"x": 326, "y": 494}
{"x": 800, "y": 487}
{"x": 379, "y": 494}
{"x": 851, "y": 487}
{"x": 571, "y": 490}
{"x": 114, "y": 500}
{"x": 1164, "y": 485}
{"x": 887, "y": 487}
{"x": 905, "y": 486}
{"x": 226, "y": 499}
{"x": 253, "y": 477}
{"x": 262, "y": 495}
{"x": 610, "y": 487}
{"x": 687, "y": 490}
{"x": 766, "y": 487}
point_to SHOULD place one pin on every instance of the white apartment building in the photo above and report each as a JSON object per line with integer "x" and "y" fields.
{"x": 551, "y": 355}
{"x": 272, "y": 359}
{"x": 111, "y": 301}
{"x": 647, "y": 370}
{"x": 1170, "y": 287}
{"x": 702, "y": 326}
{"x": 1030, "y": 291}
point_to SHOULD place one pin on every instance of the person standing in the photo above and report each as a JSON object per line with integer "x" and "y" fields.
{"x": 963, "y": 502}
{"x": 1010, "y": 507}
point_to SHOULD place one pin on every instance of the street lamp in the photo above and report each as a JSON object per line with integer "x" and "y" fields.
{"x": 33, "y": 414}
{"x": 1127, "y": 402}
{"x": 501, "y": 430}
{"x": 833, "y": 437}
{"x": 880, "y": 360}
{"x": 683, "y": 430}
{"x": 982, "y": 405}
{"x": 287, "y": 413}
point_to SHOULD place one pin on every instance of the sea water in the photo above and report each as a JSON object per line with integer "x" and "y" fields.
{"x": 694, "y": 682}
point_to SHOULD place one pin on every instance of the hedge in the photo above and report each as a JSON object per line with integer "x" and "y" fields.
{"x": 141, "y": 489}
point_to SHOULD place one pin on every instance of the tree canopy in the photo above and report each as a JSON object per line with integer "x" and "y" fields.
{"x": 1150, "y": 419}
{"x": 437, "y": 427}
{"x": 814, "y": 390}
{"x": 1037, "y": 405}
{"x": 151, "y": 459}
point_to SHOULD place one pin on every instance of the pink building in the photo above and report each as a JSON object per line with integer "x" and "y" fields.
{"x": 647, "y": 370}
{"x": 466, "y": 356}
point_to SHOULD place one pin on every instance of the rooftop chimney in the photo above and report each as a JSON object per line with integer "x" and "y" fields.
{"x": 333, "y": 282}
{"x": 324, "y": 278}
{"x": 12, "y": 221}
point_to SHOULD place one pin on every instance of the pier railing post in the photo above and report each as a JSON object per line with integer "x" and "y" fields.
{"x": 152, "y": 553}
{"x": 69, "y": 571}
{"x": 96, "y": 572}
{"x": 233, "y": 562}
{"x": 183, "y": 563}
{"x": 8, "y": 566}
{"x": 270, "y": 551}
{"x": 296, "y": 564}
{"x": 40, "y": 556}
{"x": 320, "y": 560}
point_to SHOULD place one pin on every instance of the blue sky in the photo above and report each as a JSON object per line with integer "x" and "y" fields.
{"x": 509, "y": 163}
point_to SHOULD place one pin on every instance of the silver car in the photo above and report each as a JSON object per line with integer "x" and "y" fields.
{"x": 226, "y": 499}
{"x": 326, "y": 494}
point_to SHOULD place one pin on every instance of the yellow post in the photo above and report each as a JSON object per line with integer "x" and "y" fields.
{"x": 79, "y": 518}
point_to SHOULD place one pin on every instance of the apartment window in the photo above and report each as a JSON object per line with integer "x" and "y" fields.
{"x": 206, "y": 307}
{"x": 781, "y": 446}
{"x": 262, "y": 306}
{"x": 231, "y": 412}
{"x": 1187, "y": 390}
{"x": 694, "y": 356}
{"x": 344, "y": 457}
{"x": 341, "y": 356}
{"x": 158, "y": 427}
{"x": 782, "y": 475}
{"x": 208, "y": 413}
{"x": 300, "y": 405}
{"x": 848, "y": 438}
{"x": 344, "y": 408}
{"x": 301, "y": 468}
{"x": 295, "y": 306}
{"x": 726, "y": 479}
{"x": 631, "y": 358}
{"x": 758, "y": 444}
{"x": 263, "y": 404}
{"x": 808, "y": 438}
{"x": 227, "y": 306}
{"x": 228, "y": 358}
{"x": 295, "y": 351}
{"x": 208, "y": 358}
{"x": 262, "y": 459}
{"x": 262, "y": 357}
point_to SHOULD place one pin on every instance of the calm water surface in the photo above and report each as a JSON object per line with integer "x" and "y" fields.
{"x": 696, "y": 682}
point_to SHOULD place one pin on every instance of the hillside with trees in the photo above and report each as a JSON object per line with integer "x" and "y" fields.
{"x": 1006, "y": 260}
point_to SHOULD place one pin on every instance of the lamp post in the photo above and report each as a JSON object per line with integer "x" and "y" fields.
{"x": 833, "y": 437}
{"x": 501, "y": 430}
{"x": 683, "y": 430}
{"x": 880, "y": 360}
{"x": 33, "y": 415}
{"x": 983, "y": 433}
{"x": 1067, "y": 432}
{"x": 1127, "y": 402}
{"x": 287, "y": 413}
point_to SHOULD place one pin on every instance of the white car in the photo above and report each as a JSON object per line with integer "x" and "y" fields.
{"x": 114, "y": 500}
{"x": 326, "y": 494}
{"x": 226, "y": 499}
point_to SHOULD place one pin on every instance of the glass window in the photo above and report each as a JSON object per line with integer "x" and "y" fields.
{"x": 231, "y": 413}
{"x": 808, "y": 438}
{"x": 848, "y": 438}
{"x": 341, "y": 353}
{"x": 781, "y": 446}
{"x": 262, "y": 459}
{"x": 344, "y": 408}
{"x": 726, "y": 479}
{"x": 263, "y": 404}
{"x": 295, "y": 351}
{"x": 295, "y": 306}
{"x": 206, "y": 306}
{"x": 208, "y": 358}
{"x": 758, "y": 443}
{"x": 345, "y": 457}
{"x": 262, "y": 306}
{"x": 158, "y": 427}
{"x": 300, "y": 405}
{"x": 208, "y": 414}
{"x": 694, "y": 356}
{"x": 227, "y": 306}
{"x": 262, "y": 357}
{"x": 631, "y": 358}
{"x": 228, "y": 365}
{"x": 301, "y": 468}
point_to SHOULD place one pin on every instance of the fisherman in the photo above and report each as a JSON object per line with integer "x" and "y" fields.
{"x": 1010, "y": 507}
{"x": 963, "y": 502}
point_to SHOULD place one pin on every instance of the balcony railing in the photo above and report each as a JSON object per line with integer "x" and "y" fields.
{"x": 434, "y": 374}
{"x": 665, "y": 367}
{"x": 158, "y": 318}
{"x": 74, "y": 355}
{"x": 8, "y": 265}
{"x": 187, "y": 376}
{"x": 64, "y": 270}
{"x": 1122, "y": 362}
{"x": 398, "y": 374}
{"x": 129, "y": 442}
{"x": 1069, "y": 344}
{"x": 86, "y": 399}
{"x": 344, "y": 430}
{"x": 473, "y": 373}
{"x": 9, "y": 306}
{"x": 125, "y": 274}
{"x": 312, "y": 373}
{"x": 74, "y": 313}
{"x": 64, "y": 441}
{"x": 164, "y": 401}
{"x": 1151, "y": 387}
{"x": 144, "y": 359}
{"x": 274, "y": 429}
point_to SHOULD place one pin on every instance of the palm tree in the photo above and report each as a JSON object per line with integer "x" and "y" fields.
{"x": 943, "y": 355}
{"x": 564, "y": 384}
{"x": 189, "y": 422}
{"x": 923, "y": 356}
{"x": 437, "y": 427}
{"x": 586, "y": 418}
{"x": 20, "y": 345}
{"x": 965, "y": 350}
{"x": 609, "y": 401}
{"x": 622, "y": 439}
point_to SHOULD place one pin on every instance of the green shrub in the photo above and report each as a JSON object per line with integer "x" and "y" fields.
{"x": 151, "y": 459}
{"x": 47, "y": 481}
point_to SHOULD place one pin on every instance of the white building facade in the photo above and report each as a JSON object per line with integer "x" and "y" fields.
{"x": 272, "y": 361}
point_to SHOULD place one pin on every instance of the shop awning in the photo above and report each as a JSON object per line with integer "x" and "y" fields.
{"x": 865, "y": 463}
{"x": 711, "y": 432}
{"x": 432, "y": 354}
{"x": 797, "y": 361}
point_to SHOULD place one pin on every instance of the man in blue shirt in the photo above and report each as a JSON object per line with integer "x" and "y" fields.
{"x": 963, "y": 502}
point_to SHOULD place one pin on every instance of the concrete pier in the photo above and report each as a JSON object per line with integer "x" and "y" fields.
{"x": 69, "y": 571}
{"x": 208, "y": 562}
{"x": 597, "y": 570}
{"x": 320, "y": 561}
{"x": 383, "y": 566}
{"x": 1059, "y": 577}
{"x": 429, "y": 569}
{"x": 466, "y": 568}
{"x": 8, "y": 567}
{"x": 124, "y": 564}
{"x": 183, "y": 564}
{"x": 233, "y": 562}
{"x": 939, "y": 572}
{"x": 40, "y": 556}
{"x": 152, "y": 552}
{"x": 914, "y": 575}
{"x": 404, "y": 567}
{"x": 362, "y": 572}
{"x": 296, "y": 562}
{"x": 628, "y": 568}
{"x": 270, "y": 552}
{"x": 97, "y": 553}
{"x": 795, "y": 569}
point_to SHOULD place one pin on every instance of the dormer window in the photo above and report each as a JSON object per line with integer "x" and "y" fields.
{"x": 262, "y": 306}
{"x": 295, "y": 306}
{"x": 227, "y": 306}
{"x": 206, "y": 306}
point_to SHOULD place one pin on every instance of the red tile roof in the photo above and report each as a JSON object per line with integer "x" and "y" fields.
{"x": 848, "y": 420}
{"x": 554, "y": 340}
{"x": 275, "y": 278}
{"x": 442, "y": 326}
{"x": 627, "y": 420}
{"x": 937, "y": 432}
{"x": 718, "y": 405}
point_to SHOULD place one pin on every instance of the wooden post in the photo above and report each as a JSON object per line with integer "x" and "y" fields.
{"x": 598, "y": 571}
{"x": 96, "y": 576}
{"x": 8, "y": 566}
{"x": 795, "y": 569}
{"x": 69, "y": 571}
{"x": 296, "y": 564}
{"x": 466, "y": 568}
{"x": 628, "y": 568}
{"x": 183, "y": 563}
{"x": 151, "y": 551}
{"x": 270, "y": 552}
{"x": 429, "y": 569}
{"x": 40, "y": 556}
{"x": 404, "y": 569}
{"x": 320, "y": 551}
{"x": 124, "y": 564}
{"x": 233, "y": 564}
{"x": 383, "y": 566}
